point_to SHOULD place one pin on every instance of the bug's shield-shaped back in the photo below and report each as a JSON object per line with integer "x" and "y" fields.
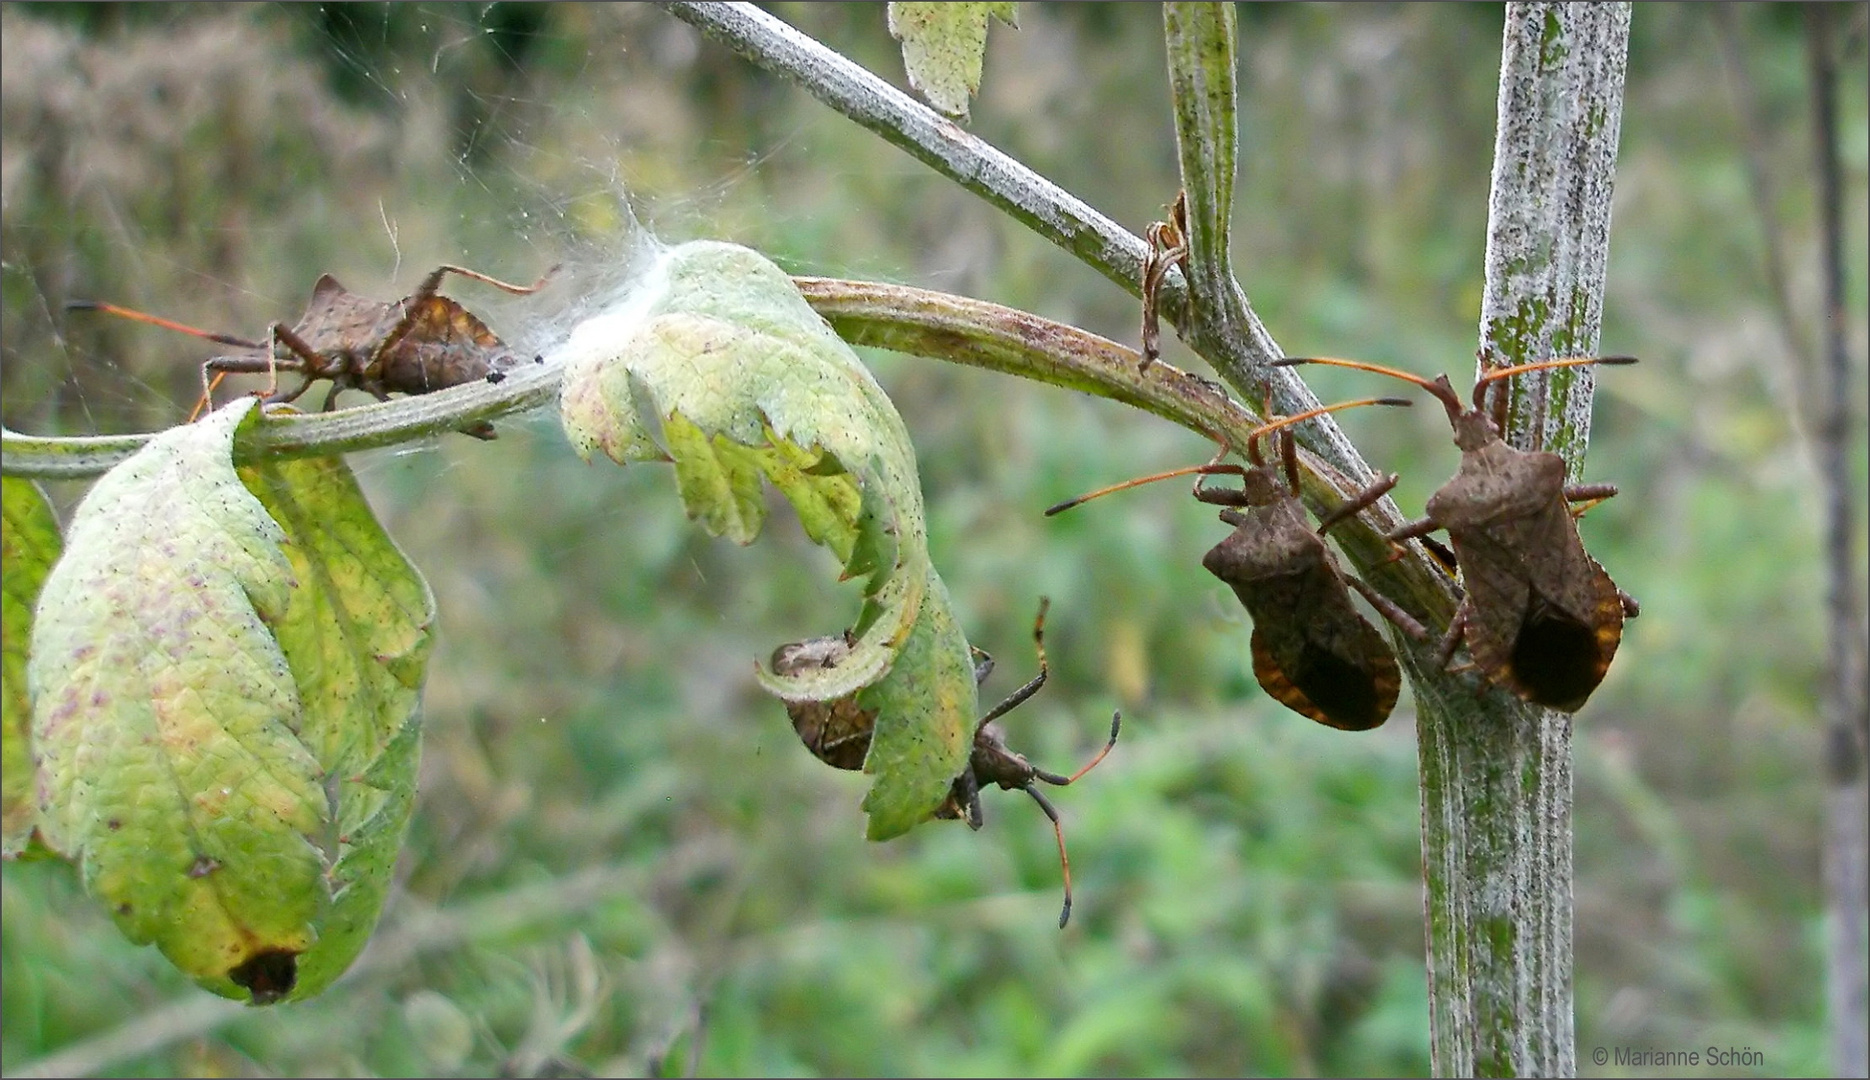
{"x": 836, "y": 731}
{"x": 1315, "y": 681}
{"x": 1541, "y": 616}
{"x": 1552, "y": 650}
{"x": 338, "y": 321}
{"x": 1312, "y": 650}
{"x": 447, "y": 345}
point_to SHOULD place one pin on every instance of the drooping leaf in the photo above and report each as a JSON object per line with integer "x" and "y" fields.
{"x": 933, "y": 677}
{"x": 357, "y": 636}
{"x": 720, "y": 366}
{"x": 224, "y": 708}
{"x": 29, "y": 546}
{"x": 942, "y": 48}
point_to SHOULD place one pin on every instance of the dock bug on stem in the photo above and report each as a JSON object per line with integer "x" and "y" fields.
{"x": 421, "y": 343}
{"x": 1312, "y": 650}
{"x": 1540, "y": 617}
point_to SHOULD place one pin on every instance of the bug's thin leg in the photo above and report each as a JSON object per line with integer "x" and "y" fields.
{"x": 309, "y": 361}
{"x": 969, "y": 784}
{"x": 1289, "y": 456}
{"x": 433, "y": 282}
{"x": 1358, "y": 503}
{"x": 272, "y": 361}
{"x": 1452, "y": 639}
{"x": 1419, "y": 527}
{"x": 1056, "y": 780}
{"x": 1592, "y": 493}
{"x": 1222, "y": 496}
{"x": 1064, "y": 860}
{"x": 1017, "y": 697}
{"x": 206, "y": 403}
{"x": 222, "y": 366}
{"x": 1404, "y": 621}
{"x": 1588, "y": 494}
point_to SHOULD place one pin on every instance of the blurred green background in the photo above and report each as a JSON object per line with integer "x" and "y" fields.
{"x": 622, "y": 860}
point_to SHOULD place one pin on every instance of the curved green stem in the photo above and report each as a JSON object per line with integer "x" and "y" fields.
{"x": 919, "y": 322}
{"x": 960, "y": 330}
{"x": 294, "y": 435}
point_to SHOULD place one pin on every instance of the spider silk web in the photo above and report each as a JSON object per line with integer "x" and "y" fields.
{"x": 207, "y": 164}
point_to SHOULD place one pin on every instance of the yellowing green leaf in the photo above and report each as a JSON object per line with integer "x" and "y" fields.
{"x": 925, "y": 703}
{"x": 942, "y": 48}
{"x": 29, "y": 545}
{"x": 224, "y": 708}
{"x": 721, "y": 367}
{"x": 357, "y": 636}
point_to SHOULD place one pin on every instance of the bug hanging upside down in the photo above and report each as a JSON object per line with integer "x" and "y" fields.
{"x": 839, "y": 732}
{"x": 421, "y": 343}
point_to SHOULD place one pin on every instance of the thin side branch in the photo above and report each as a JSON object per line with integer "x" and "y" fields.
{"x": 926, "y": 135}
{"x": 297, "y": 435}
{"x": 1238, "y": 352}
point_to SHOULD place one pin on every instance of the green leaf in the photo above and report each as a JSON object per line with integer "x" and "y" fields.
{"x": 29, "y": 546}
{"x": 357, "y": 636}
{"x": 720, "y": 366}
{"x": 224, "y": 691}
{"x": 942, "y": 48}
{"x": 928, "y": 689}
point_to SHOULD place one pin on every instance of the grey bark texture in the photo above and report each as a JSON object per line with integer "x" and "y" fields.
{"x": 1496, "y": 787}
{"x": 1847, "y": 713}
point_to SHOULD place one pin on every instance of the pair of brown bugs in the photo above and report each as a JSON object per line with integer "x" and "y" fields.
{"x": 838, "y": 733}
{"x": 421, "y": 343}
{"x": 1540, "y": 616}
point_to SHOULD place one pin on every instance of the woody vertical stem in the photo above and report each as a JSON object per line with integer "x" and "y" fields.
{"x": 1496, "y": 797}
{"x": 1847, "y": 864}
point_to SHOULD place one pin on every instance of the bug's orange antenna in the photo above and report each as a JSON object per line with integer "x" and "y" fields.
{"x": 1540, "y": 365}
{"x": 1212, "y": 468}
{"x": 1209, "y": 469}
{"x": 1287, "y": 421}
{"x": 1032, "y": 686}
{"x": 1440, "y": 387}
{"x": 166, "y": 324}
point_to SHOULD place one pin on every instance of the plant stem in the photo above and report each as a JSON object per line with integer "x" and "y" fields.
{"x": 1847, "y": 715}
{"x": 295, "y": 435}
{"x": 938, "y": 142}
{"x": 1496, "y": 780}
{"x": 1230, "y": 338}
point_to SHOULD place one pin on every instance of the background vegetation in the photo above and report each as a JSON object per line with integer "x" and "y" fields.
{"x": 622, "y": 860}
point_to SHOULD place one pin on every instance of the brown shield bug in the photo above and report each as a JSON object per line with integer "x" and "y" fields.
{"x": 421, "y": 343}
{"x": 1312, "y": 650}
{"x": 1540, "y": 617}
{"x": 838, "y": 733}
